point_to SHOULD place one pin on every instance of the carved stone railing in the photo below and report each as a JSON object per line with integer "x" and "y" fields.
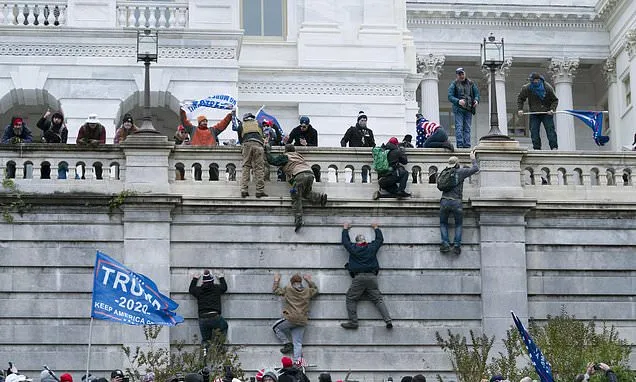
{"x": 158, "y": 15}
{"x": 33, "y": 13}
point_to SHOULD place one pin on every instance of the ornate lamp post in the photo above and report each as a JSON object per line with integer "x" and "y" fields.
{"x": 492, "y": 57}
{"x": 147, "y": 51}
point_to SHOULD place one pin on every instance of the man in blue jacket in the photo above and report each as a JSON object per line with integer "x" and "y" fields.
{"x": 464, "y": 95}
{"x": 363, "y": 267}
{"x": 17, "y": 132}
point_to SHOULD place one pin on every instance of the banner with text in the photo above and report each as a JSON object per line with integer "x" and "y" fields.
{"x": 124, "y": 296}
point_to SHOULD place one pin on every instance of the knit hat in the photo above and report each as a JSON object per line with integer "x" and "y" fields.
{"x": 58, "y": 114}
{"x": 16, "y": 120}
{"x": 452, "y": 161}
{"x": 394, "y": 140}
{"x": 201, "y": 118}
{"x": 360, "y": 238}
{"x": 459, "y": 71}
{"x": 361, "y": 115}
{"x": 496, "y": 378}
{"x": 207, "y": 276}
{"x": 286, "y": 361}
{"x": 304, "y": 120}
{"x": 407, "y": 138}
{"x": 66, "y": 377}
{"x": 270, "y": 373}
{"x": 116, "y": 373}
{"x": 248, "y": 116}
{"x": 127, "y": 118}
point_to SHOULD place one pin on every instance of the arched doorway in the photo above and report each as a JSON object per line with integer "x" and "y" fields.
{"x": 164, "y": 108}
{"x": 30, "y": 104}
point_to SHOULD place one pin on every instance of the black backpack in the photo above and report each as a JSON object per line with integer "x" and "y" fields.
{"x": 447, "y": 179}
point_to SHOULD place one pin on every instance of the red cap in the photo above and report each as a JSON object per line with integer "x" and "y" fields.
{"x": 287, "y": 362}
{"x": 66, "y": 377}
{"x": 394, "y": 140}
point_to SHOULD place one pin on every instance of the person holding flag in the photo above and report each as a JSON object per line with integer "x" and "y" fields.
{"x": 542, "y": 101}
{"x": 201, "y": 110}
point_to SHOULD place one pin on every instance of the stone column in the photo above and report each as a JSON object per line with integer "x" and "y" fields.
{"x": 613, "y": 99}
{"x": 500, "y": 84}
{"x": 627, "y": 137}
{"x": 430, "y": 67}
{"x": 563, "y": 71}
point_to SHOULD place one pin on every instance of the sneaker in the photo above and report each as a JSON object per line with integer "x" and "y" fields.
{"x": 444, "y": 248}
{"x": 244, "y": 194}
{"x": 457, "y": 250}
{"x": 389, "y": 325}
{"x": 298, "y": 226}
{"x": 323, "y": 200}
{"x": 261, "y": 195}
{"x": 287, "y": 348}
{"x": 349, "y": 325}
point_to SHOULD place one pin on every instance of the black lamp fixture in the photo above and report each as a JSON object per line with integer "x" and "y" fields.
{"x": 147, "y": 51}
{"x": 492, "y": 57}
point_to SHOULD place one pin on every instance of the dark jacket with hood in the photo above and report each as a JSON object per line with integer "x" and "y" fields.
{"x": 51, "y": 132}
{"x": 358, "y": 136}
{"x": 25, "y": 134}
{"x": 208, "y": 295}
{"x": 362, "y": 256}
{"x": 396, "y": 155}
{"x": 291, "y": 374}
{"x": 457, "y": 192}
{"x": 535, "y": 103}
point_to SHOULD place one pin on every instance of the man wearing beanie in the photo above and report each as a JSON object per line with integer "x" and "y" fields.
{"x": 359, "y": 135}
{"x": 451, "y": 202}
{"x": 127, "y": 128}
{"x": 17, "y": 132}
{"x": 201, "y": 134}
{"x": 66, "y": 377}
{"x": 543, "y": 101}
{"x": 289, "y": 373}
{"x": 363, "y": 267}
{"x": 53, "y": 131}
{"x": 208, "y": 297}
{"x": 464, "y": 95}
{"x": 295, "y": 312}
{"x": 394, "y": 181}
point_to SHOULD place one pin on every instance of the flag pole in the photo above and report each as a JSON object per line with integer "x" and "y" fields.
{"x": 557, "y": 111}
{"x": 90, "y": 339}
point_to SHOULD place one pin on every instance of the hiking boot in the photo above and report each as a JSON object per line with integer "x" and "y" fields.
{"x": 389, "y": 325}
{"x": 298, "y": 225}
{"x": 349, "y": 325}
{"x": 457, "y": 250}
{"x": 287, "y": 348}
{"x": 244, "y": 194}
{"x": 261, "y": 195}
{"x": 444, "y": 248}
{"x": 403, "y": 194}
{"x": 323, "y": 200}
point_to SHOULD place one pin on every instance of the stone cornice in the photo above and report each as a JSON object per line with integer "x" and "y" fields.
{"x": 606, "y": 8}
{"x": 112, "y": 50}
{"x": 319, "y": 88}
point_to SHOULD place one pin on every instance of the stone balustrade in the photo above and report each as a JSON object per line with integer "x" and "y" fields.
{"x": 146, "y": 14}
{"x": 33, "y": 13}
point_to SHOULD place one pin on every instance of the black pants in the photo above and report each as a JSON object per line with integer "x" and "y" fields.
{"x": 394, "y": 182}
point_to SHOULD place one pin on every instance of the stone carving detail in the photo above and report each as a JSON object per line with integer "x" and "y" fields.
{"x": 563, "y": 69}
{"x": 72, "y": 50}
{"x": 319, "y": 88}
{"x": 495, "y": 19}
{"x": 495, "y": 164}
{"x": 630, "y": 42}
{"x": 500, "y": 73}
{"x": 609, "y": 70}
{"x": 431, "y": 65}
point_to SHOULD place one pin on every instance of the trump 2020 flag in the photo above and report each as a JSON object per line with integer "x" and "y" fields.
{"x": 594, "y": 119}
{"x": 261, "y": 116}
{"x": 122, "y": 295}
{"x": 541, "y": 365}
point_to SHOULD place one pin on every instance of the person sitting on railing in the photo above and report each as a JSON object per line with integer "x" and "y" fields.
{"x": 17, "y": 132}
{"x": 127, "y": 128}
{"x": 407, "y": 142}
{"x": 54, "y": 131}
{"x": 202, "y": 135}
{"x": 430, "y": 134}
{"x": 92, "y": 132}
{"x": 394, "y": 181}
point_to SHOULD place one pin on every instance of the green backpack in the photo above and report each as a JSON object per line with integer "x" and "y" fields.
{"x": 380, "y": 161}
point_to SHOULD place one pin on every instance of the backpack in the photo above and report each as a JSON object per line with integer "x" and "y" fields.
{"x": 447, "y": 179}
{"x": 380, "y": 160}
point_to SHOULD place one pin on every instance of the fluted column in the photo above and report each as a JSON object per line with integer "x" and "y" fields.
{"x": 609, "y": 72}
{"x": 430, "y": 67}
{"x": 500, "y": 84}
{"x": 563, "y": 71}
{"x": 628, "y": 135}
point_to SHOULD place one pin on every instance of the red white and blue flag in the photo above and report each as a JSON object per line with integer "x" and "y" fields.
{"x": 541, "y": 365}
{"x": 594, "y": 119}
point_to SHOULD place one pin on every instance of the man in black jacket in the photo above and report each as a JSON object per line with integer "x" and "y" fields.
{"x": 395, "y": 181}
{"x": 54, "y": 131}
{"x": 303, "y": 134}
{"x": 359, "y": 135}
{"x": 208, "y": 297}
{"x": 363, "y": 267}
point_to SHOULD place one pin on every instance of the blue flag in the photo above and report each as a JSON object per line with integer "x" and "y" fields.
{"x": 594, "y": 119}
{"x": 124, "y": 296}
{"x": 541, "y": 365}
{"x": 262, "y": 116}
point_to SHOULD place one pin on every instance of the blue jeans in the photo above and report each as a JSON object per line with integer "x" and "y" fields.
{"x": 448, "y": 206}
{"x": 463, "y": 119}
{"x": 285, "y": 330}
{"x": 548, "y": 124}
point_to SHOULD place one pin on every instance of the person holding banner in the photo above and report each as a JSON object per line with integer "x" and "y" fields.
{"x": 208, "y": 297}
{"x": 251, "y": 137}
{"x": 542, "y": 102}
{"x": 201, "y": 134}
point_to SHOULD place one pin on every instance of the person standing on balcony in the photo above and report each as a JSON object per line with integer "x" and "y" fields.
{"x": 251, "y": 137}
{"x": 92, "y": 132}
{"x": 451, "y": 203}
{"x": 542, "y": 101}
{"x": 363, "y": 267}
{"x": 359, "y": 135}
{"x": 17, "y": 132}
{"x": 201, "y": 134}
{"x": 208, "y": 295}
{"x": 291, "y": 328}
{"x": 304, "y": 134}
{"x": 301, "y": 178}
{"x": 54, "y": 131}
{"x": 464, "y": 95}
{"x": 127, "y": 128}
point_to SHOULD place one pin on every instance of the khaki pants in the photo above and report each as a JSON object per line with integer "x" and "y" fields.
{"x": 253, "y": 159}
